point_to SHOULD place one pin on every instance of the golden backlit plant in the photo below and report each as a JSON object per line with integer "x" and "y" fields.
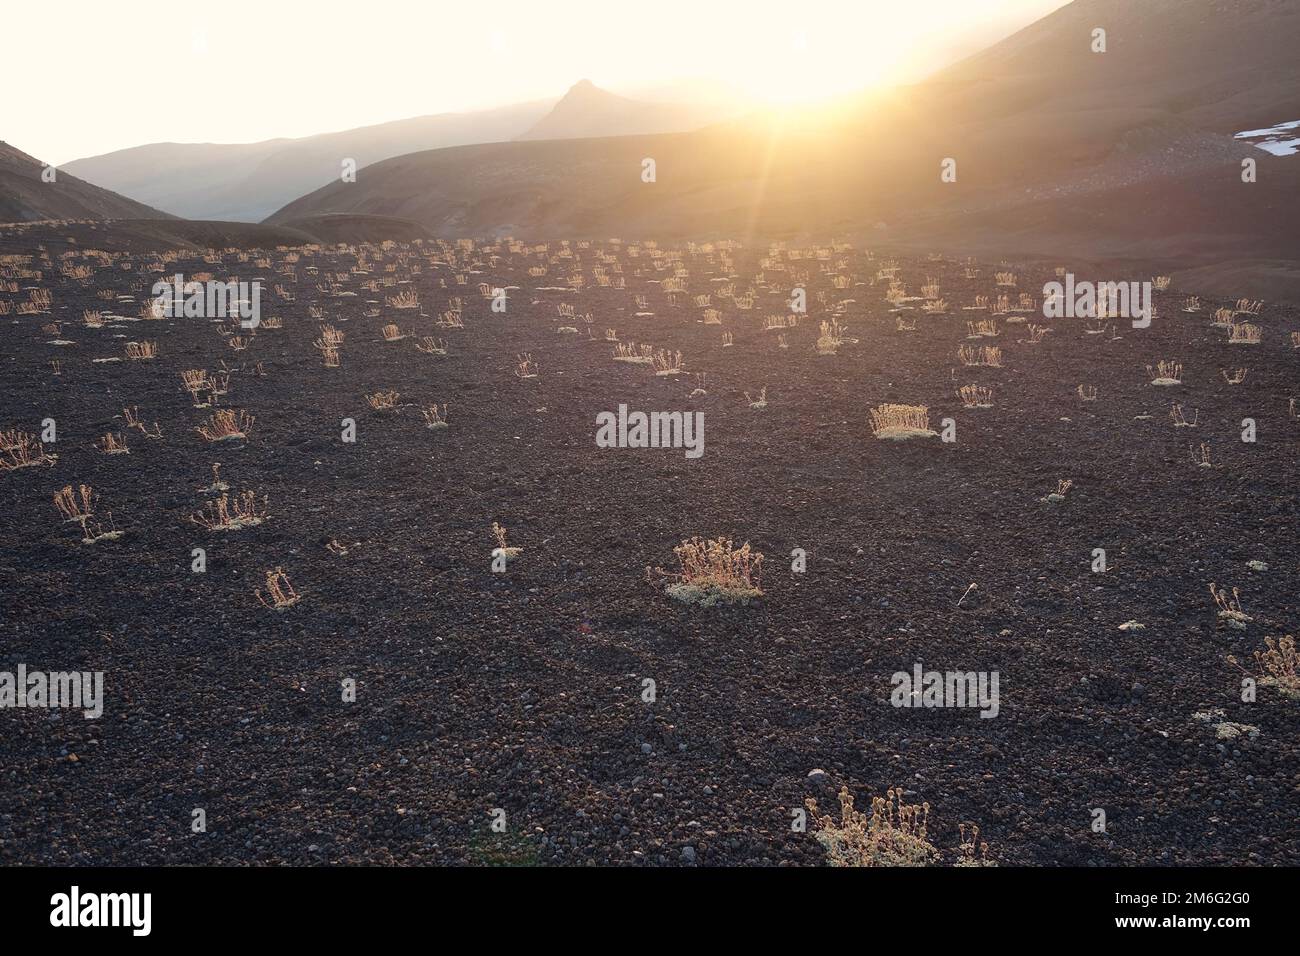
{"x": 713, "y": 571}
{"x": 892, "y": 834}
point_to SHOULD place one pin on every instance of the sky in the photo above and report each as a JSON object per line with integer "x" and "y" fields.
{"x": 86, "y": 77}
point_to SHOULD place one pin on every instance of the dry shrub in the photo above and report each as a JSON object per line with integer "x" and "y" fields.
{"x": 226, "y": 425}
{"x": 975, "y": 396}
{"x": 20, "y": 450}
{"x": 435, "y": 416}
{"x": 279, "y": 590}
{"x": 830, "y": 338}
{"x": 893, "y": 834}
{"x": 502, "y": 549}
{"x": 980, "y": 355}
{"x": 404, "y": 300}
{"x": 1230, "y": 610}
{"x": 227, "y": 514}
{"x": 1280, "y": 662}
{"x": 898, "y": 422}
{"x": 713, "y": 572}
{"x": 1166, "y": 372}
{"x": 1244, "y": 333}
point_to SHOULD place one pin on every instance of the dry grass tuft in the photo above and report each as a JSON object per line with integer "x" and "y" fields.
{"x": 1281, "y": 665}
{"x": 1063, "y": 486}
{"x": 1244, "y": 333}
{"x": 226, "y": 425}
{"x": 227, "y": 514}
{"x": 78, "y": 507}
{"x": 279, "y": 590}
{"x": 1166, "y": 373}
{"x": 713, "y": 571}
{"x": 435, "y": 416}
{"x": 404, "y": 300}
{"x": 1229, "y": 605}
{"x": 20, "y": 450}
{"x": 972, "y": 852}
{"x": 502, "y": 549}
{"x": 526, "y": 367}
{"x": 112, "y": 444}
{"x": 893, "y": 834}
{"x": 830, "y": 338}
{"x": 899, "y": 422}
{"x": 980, "y": 355}
{"x": 668, "y": 363}
{"x": 975, "y": 396}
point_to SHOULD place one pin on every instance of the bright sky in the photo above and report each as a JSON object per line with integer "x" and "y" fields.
{"x": 84, "y": 77}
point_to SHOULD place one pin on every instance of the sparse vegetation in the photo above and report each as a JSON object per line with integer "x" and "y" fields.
{"x": 892, "y": 834}
{"x": 279, "y": 593}
{"x": 714, "y": 571}
{"x": 1280, "y": 665}
{"x": 898, "y": 422}
{"x": 227, "y": 424}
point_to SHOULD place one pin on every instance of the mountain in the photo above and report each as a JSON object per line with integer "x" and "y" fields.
{"x": 247, "y": 181}
{"x": 1058, "y": 150}
{"x": 588, "y": 111}
{"x": 26, "y": 197}
{"x": 1222, "y": 65}
{"x": 1130, "y": 153}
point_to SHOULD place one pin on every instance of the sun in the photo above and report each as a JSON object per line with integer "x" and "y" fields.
{"x": 805, "y": 68}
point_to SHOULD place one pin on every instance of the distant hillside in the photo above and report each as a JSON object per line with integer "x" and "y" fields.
{"x": 1219, "y": 65}
{"x": 1068, "y": 151}
{"x": 25, "y": 196}
{"x": 248, "y": 181}
{"x": 586, "y": 111}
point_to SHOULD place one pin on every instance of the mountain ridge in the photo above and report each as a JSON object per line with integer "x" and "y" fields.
{"x": 26, "y": 196}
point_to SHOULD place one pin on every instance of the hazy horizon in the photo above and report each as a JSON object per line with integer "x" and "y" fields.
{"x": 151, "y": 73}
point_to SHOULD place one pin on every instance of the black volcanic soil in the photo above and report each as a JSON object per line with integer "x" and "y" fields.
{"x": 522, "y": 690}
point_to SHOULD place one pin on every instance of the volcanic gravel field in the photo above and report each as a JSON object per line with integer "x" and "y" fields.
{"x": 523, "y": 690}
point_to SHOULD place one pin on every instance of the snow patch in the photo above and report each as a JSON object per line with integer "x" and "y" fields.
{"x": 1280, "y": 140}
